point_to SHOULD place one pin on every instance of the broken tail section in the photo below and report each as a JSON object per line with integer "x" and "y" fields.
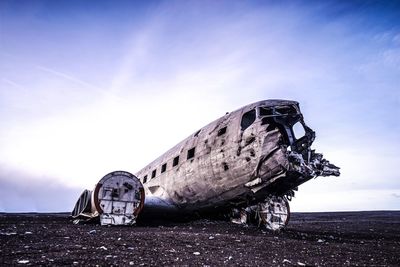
{"x": 117, "y": 199}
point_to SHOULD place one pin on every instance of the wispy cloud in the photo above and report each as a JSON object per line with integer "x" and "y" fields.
{"x": 171, "y": 67}
{"x": 45, "y": 194}
{"x": 68, "y": 77}
{"x": 14, "y": 84}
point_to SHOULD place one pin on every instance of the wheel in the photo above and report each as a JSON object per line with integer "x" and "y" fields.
{"x": 274, "y": 213}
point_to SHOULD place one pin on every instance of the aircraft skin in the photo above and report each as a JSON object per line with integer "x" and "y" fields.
{"x": 248, "y": 162}
{"x": 236, "y": 161}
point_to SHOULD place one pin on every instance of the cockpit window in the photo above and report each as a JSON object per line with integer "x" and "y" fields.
{"x": 277, "y": 111}
{"x": 266, "y": 111}
{"x": 286, "y": 110}
{"x": 298, "y": 130}
{"x": 247, "y": 119}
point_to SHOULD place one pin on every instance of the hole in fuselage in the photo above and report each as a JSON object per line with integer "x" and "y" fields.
{"x": 190, "y": 153}
{"x": 222, "y": 131}
{"x": 226, "y": 167}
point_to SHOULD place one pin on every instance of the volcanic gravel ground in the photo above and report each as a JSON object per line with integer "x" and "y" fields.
{"x": 311, "y": 239}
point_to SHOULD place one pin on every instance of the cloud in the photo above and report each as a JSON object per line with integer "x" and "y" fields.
{"x": 395, "y": 195}
{"x": 392, "y": 57}
{"x": 344, "y": 200}
{"x": 14, "y": 84}
{"x": 20, "y": 192}
{"x": 80, "y": 98}
{"x": 68, "y": 77}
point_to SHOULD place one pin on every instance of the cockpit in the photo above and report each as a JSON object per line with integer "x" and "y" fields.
{"x": 287, "y": 118}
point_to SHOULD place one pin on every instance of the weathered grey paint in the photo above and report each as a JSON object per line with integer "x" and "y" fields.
{"x": 117, "y": 199}
{"x": 238, "y": 167}
{"x": 249, "y": 160}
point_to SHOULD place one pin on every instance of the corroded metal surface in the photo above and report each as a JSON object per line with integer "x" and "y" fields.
{"x": 117, "y": 199}
{"x": 238, "y": 161}
{"x": 274, "y": 213}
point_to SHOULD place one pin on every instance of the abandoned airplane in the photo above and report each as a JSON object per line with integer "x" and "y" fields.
{"x": 247, "y": 164}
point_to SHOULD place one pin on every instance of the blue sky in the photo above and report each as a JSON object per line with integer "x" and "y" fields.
{"x": 91, "y": 87}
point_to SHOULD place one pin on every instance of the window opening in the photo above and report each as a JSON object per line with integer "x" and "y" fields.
{"x": 163, "y": 167}
{"x": 247, "y": 119}
{"x": 176, "y": 161}
{"x": 226, "y": 167}
{"x": 222, "y": 131}
{"x": 190, "y": 153}
{"x": 298, "y": 130}
{"x": 153, "y": 174}
{"x": 266, "y": 111}
{"x": 286, "y": 110}
{"x": 145, "y": 179}
{"x": 197, "y": 133}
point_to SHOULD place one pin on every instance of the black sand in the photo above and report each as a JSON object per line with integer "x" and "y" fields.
{"x": 311, "y": 239}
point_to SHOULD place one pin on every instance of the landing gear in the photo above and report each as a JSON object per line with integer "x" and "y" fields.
{"x": 274, "y": 213}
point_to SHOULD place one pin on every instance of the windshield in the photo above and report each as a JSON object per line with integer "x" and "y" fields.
{"x": 278, "y": 111}
{"x": 247, "y": 119}
{"x": 286, "y": 118}
{"x": 298, "y": 130}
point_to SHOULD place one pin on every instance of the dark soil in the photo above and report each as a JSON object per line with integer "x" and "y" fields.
{"x": 311, "y": 239}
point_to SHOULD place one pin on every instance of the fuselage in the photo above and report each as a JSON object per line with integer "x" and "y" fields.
{"x": 235, "y": 160}
{"x": 245, "y": 164}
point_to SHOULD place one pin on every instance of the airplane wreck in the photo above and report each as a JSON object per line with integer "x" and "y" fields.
{"x": 246, "y": 165}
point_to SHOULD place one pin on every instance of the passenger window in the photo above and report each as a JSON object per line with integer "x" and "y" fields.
{"x": 190, "y": 153}
{"x": 163, "y": 167}
{"x": 176, "y": 161}
{"x": 222, "y": 131}
{"x": 145, "y": 179}
{"x": 247, "y": 119}
{"x": 153, "y": 174}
